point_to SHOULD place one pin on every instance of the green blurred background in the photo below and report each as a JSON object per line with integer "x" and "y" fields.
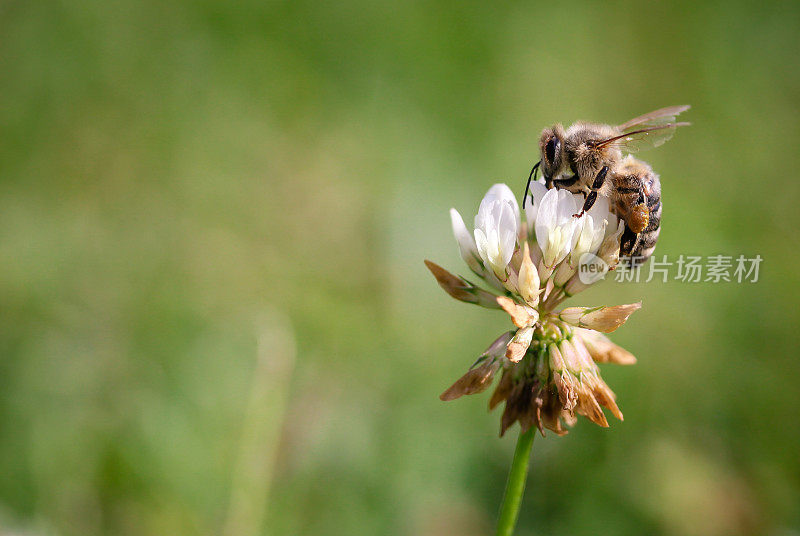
{"x": 214, "y": 316}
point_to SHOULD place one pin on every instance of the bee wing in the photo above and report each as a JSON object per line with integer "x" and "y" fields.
{"x": 635, "y": 140}
{"x": 657, "y": 117}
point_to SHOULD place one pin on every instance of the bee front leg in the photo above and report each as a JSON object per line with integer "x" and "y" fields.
{"x": 592, "y": 197}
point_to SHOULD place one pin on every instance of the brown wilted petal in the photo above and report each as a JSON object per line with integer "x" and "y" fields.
{"x": 608, "y": 319}
{"x": 460, "y": 288}
{"x": 551, "y": 413}
{"x": 503, "y": 389}
{"x": 519, "y": 344}
{"x": 567, "y": 389}
{"x": 515, "y": 404}
{"x": 589, "y": 408}
{"x": 605, "y": 397}
{"x": 508, "y": 419}
{"x": 522, "y": 405}
{"x": 538, "y": 404}
{"x": 603, "y": 350}
{"x": 474, "y": 381}
{"x": 533, "y": 413}
{"x": 498, "y": 347}
{"x": 605, "y": 319}
{"x": 569, "y": 418}
{"x": 520, "y": 316}
{"x": 603, "y": 394}
{"x": 528, "y": 416}
{"x": 453, "y": 285}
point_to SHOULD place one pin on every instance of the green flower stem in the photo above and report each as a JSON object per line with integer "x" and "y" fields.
{"x": 515, "y": 486}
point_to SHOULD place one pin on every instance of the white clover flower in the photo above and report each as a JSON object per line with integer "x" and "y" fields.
{"x": 496, "y": 228}
{"x": 555, "y": 227}
{"x": 548, "y": 362}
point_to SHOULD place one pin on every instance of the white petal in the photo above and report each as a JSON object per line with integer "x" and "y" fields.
{"x": 566, "y": 206}
{"x": 482, "y": 244}
{"x": 482, "y": 217}
{"x": 537, "y": 191}
{"x": 583, "y": 234}
{"x": 503, "y": 193}
{"x": 508, "y": 242}
{"x": 508, "y": 221}
{"x": 466, "y": 244}
{"x": 546, "y": 217}
{"x": 493, "y": 247}
{"x": 599, "y": 233}
{"x": 564, "y": 244}
{"x": 460, "y": 230}
{"x": 600, "y": 209}
{"x": 578, "y": 199}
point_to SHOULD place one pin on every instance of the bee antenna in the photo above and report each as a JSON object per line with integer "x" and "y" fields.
{"x": 528, "y": 186}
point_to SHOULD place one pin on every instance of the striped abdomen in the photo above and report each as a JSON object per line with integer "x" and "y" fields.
{"x": 637, "y": 193}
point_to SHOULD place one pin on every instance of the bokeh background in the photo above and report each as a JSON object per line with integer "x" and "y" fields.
{"x": 214, "y": 316}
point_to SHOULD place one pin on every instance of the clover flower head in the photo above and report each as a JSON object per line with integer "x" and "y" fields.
{"x": 548, "y": 362}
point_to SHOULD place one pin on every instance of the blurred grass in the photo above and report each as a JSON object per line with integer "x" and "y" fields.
{"x": 169, "y": 171}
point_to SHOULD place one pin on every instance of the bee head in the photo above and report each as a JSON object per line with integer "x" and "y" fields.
{"x": 551, "y": 147}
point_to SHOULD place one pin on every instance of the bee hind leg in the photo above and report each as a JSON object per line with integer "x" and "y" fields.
{"x": 639, "y": 216}
{"x": 627, "y": 242}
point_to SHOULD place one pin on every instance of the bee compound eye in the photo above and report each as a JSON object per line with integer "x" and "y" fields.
{"x": 550, "y": 149}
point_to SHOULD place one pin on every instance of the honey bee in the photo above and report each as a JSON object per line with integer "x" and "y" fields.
{"x": 588, "y": 158}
